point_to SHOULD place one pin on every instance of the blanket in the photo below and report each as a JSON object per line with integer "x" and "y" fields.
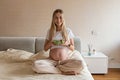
{"x": 73, "y": 64}
{"x": 12, "y": 68}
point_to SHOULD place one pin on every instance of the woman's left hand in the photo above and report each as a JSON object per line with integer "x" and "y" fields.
{"x": 66, "y": 43}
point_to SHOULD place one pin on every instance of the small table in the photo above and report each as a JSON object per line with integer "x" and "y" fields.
{"x": 97, "y": 63}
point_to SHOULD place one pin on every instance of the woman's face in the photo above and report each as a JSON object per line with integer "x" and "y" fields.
{"x": 58, "y": 19}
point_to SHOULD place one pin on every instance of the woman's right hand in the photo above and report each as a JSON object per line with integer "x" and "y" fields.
{"x": 50, "y": 44}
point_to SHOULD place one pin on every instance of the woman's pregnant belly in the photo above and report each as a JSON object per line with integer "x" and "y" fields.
{"x": 58, "y": 54}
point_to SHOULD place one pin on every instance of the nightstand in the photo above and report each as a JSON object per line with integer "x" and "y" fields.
{"x": 97, "y": 63}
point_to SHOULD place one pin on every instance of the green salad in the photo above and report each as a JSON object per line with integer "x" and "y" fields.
{"x": 58, "y": 42}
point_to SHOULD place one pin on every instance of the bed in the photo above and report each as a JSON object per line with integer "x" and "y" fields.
{"x": 23, "y": 70}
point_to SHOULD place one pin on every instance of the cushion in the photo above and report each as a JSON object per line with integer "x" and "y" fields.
{"x": 2, "y": 54}
{"x": 40, "y": 55}
{"x": 15, "y": 55}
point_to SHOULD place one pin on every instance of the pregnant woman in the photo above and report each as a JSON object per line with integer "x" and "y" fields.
{"x": 59, "y": 39}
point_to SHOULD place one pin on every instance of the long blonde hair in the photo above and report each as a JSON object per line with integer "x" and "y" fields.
{"x": 52, "y": 30}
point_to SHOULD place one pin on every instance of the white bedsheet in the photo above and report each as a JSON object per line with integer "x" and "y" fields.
{"x": 23, "y": 71}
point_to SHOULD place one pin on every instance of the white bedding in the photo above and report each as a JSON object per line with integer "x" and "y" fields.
{"x": 23, "y": 71}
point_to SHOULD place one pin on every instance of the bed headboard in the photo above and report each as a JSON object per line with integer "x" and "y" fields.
{"x": 23, "y": 43}
{"x": 31, "y": 44}
{"x": 39, "y": 43}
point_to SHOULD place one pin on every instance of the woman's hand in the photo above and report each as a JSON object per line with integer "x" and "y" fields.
{"x": 50, "y": 44}
{"x": 66, "y": 43}
{"x": 69, "y": 44}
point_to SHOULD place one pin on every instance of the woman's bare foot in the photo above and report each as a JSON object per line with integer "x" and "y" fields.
{"x": 58, "y": 63}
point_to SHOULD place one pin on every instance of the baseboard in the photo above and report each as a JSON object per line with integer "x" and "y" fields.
{"x": 114, "y": 65}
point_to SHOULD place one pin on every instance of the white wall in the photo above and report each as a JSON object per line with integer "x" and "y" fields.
{"x": 33, "y": 17}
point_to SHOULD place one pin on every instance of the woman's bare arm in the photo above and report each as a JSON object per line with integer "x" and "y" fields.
{"x": 48, "y": 44}
{"x": 71, "y": 45}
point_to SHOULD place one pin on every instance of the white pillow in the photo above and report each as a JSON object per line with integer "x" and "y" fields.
{"x": 40, "y": 55}
{"x": 16, "y": 55}
{"x": 2, "y": 54}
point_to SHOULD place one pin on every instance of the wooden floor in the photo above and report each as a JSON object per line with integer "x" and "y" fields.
{"x": 113, "y": 74}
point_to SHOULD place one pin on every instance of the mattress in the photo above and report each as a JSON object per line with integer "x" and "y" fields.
{"x": 23, "y": 71}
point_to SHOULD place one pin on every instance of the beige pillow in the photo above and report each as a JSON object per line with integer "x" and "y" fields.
{"x": 2, "y": 54}
{"x": 15, "y": 55}
{"x": 40, "y": 55}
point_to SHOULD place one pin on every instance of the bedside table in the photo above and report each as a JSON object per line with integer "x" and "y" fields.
{"x": 97, "y": 63}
